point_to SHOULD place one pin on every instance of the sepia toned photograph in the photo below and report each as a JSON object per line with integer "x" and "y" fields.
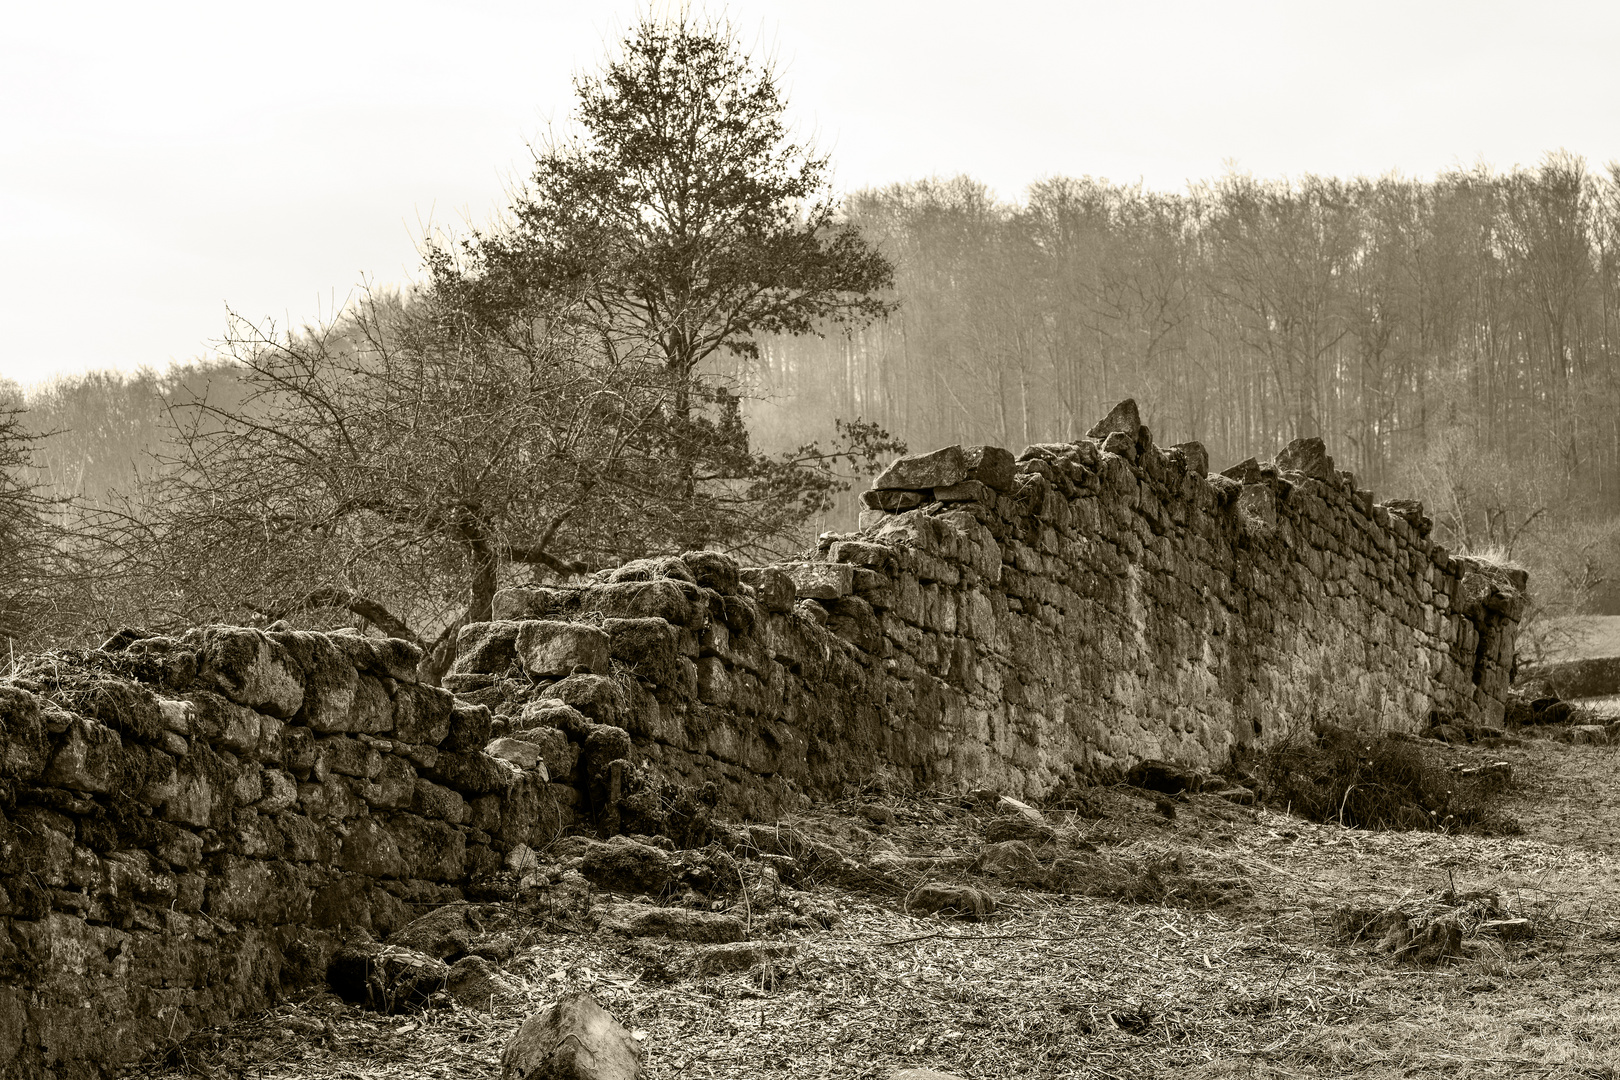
{"x": 749, "y": 540}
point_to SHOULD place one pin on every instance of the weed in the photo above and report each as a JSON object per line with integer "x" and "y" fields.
{"x": 1371, "y": 781}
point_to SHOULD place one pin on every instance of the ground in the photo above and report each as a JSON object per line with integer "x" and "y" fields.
{"x": 1223, "y": 945}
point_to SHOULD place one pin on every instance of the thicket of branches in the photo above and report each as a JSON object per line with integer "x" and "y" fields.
{"x": 545, "y": 403}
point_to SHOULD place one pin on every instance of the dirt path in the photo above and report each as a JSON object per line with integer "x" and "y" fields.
{"x": 1254, "y": 980}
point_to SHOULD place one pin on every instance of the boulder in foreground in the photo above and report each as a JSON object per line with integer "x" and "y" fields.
{"x": 574, "y": 1039}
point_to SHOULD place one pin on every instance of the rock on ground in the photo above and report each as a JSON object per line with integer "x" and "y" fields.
{"x": 574, "y": 1039}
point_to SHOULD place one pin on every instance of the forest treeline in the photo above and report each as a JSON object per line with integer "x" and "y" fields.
{"x": 1452, "y": 339}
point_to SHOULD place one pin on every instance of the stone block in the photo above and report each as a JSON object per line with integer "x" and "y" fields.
{"x": 595, "y": 697}
{"x": 422, "y": 714}
{"x": 574, "y": 1039}
{"x": 488, "y": 648}
{"x": 821, "y": 581}
{"x": 436, "y": 801}
{"x": 892, "y": 501}
{"x": 89, "y": 757}
{"x": 553, "y": 650}
{"x": 672, "y": 601}
{"x": 472, "y": 774}
{"x": 25, "y": 748}
{"x": 332, "y": 800}
{"x": 1123, "y": 419}
{"x": 393, "y": 787}
{"x": 773, "y": 588}
{"x": 470, "y": 728}
{"x": 346, "y": 757}
{"x": 330, "y": 680}
{"x": 559, "y": 755}
{"x": 388, "y": 658}
{"x": 523, "y": 754}
{"x": 373, "y": 710}
{"x": 650, "y": 648}
{"x": 370, "y": 848}
{"x": 249, "y": 668}
{"x": 430, "y": 850}
{"x": 945, "y": 466}
{"x": 1308, "y": 456}
{"x": 279, "y": 792}
{"x": 966, "y": 491}
{"x": 714, "y": 570}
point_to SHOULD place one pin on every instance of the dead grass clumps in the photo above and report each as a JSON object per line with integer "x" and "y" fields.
{"x": 1364, "y": 780}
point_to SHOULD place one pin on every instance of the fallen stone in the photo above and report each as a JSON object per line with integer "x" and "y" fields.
{"x": 952, "y": 901}
{"x": 1006, "y": 804}
{"x": 1510, "y": 929}
{"x": 1006, "y": 856}
{"x": 1594, "y": 734}
{"x": 1447, "y": 733}
{"x": 682, "y": 924}
{"x": 740, "y": 955}
{"x": 1242, "y": 796}
{"x": 1163, "y": 777}
{"x": 1437, "y": 943}
{"x": 478, "y": 983}
{"x": 575, "y": 1039}
{"x": 1017, "y": 827}
{"x": 441, "y": 933}
{"x": 627, "y": 867}
{"x": 385, "y": 978}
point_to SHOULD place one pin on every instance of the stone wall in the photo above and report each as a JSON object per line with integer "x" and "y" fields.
{"x": 190, "y": 825}
{"x": 1018, "y": 623}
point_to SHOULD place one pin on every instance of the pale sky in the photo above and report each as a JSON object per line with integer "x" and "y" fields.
{"x": 162, "y": 161}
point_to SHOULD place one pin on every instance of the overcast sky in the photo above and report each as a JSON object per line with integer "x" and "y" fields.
{"x": 162, "y": 161}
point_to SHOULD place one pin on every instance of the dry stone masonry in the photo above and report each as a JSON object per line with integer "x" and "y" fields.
{"x": 191, "y": 825}
{"x": 1018, "y": 624}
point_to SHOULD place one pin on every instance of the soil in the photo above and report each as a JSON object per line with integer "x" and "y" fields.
{"x": 1149, "y": 937}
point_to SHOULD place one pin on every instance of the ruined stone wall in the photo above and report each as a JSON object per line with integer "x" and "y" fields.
{"x": 190, "y": 825}
{"x": 1015, "y": 623}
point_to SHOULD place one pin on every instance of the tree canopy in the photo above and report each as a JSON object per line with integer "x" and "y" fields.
{"x": 681, "y": 213}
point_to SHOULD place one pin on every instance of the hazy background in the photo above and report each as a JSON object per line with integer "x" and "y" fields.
{"x": 165, "y": 160}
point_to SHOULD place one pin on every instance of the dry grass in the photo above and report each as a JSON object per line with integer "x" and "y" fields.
{"x": 1258, "y": 985}
{"x": 1373, "y": 781}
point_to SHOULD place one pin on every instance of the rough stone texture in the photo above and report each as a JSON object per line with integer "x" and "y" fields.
{"x": 575, "y": 1039}
{"x": 191, "y": 826}
{"x": 1112, "y": 604}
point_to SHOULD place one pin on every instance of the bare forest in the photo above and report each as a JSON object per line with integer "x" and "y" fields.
{"x": 1452, "y": 340}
